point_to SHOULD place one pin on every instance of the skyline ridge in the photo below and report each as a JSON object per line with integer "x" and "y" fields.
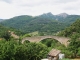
{"x": 41, "y": 14}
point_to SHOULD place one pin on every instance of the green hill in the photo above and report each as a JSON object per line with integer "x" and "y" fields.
{"x": 1, "y": 20}
{"x": 73, "y": 29}
{"x": 4, "y": 29}
{"x": 29, "y": 24}
{"x": 44, "y": 24}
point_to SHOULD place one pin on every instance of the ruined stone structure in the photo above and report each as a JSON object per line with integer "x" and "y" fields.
{"x": 62, "y": 40}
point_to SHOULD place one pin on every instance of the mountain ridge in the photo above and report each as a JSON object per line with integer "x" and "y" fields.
{"x": 64, "y": 15}
{"x": 45, "y": 23}
{"x": 46, "y": 14}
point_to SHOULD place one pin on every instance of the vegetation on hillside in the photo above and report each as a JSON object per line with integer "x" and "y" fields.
{"x": 73, "y": 29}
{"x": 14, "y": 49}
{"x": 4, "y": 30}
{"x": 73, "y": 49}
{"x": 51, "y": 43}
{"x": 74, "y": 45}
{"x": 28, "y": 24}
{"x": 45, "y": 24}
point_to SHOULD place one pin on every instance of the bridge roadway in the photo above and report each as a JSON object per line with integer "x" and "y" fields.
{"x": 62, "y": 40}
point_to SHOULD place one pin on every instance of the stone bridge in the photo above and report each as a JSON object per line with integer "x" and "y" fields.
{"x": 62, "y": 40}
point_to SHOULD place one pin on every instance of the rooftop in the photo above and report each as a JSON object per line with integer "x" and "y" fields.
{"x": 54, "y": 52}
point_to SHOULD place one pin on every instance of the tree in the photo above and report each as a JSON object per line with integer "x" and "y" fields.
{"x": 26, "y": 41}
{"x": 36, "y": 51}
{"x": 50, "y": 42}
{"x": 12, "y": 50}
{"x": 7, "y": 50}
{"x": 74, "y": 45}
{"x": 6, "y": 35}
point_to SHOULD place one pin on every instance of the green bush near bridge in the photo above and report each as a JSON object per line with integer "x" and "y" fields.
{"x": 12, "y": 50}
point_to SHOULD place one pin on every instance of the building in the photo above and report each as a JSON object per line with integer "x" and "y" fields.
{"x": 54, "y": 54}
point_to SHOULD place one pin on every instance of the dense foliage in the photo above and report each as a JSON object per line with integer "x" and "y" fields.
{"x": 4, "y": 30}
{"x": 12, "y": 50}
{"x": 73, "y": 49}
{"x": 74, "y": 45}
{"x": 73, "y": 29}
{"x": 44, "y": 24}
{"x": 51, "y": 43}
{"x": 29, "y": 24}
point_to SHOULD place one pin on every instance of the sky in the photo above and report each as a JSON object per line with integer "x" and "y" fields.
{"x": 12, "y": 8}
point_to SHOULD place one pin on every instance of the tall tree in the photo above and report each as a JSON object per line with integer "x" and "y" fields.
{"x": 6, "y": 35}
{"x": 74, "y": 45}
{"x": 36, "y": 51}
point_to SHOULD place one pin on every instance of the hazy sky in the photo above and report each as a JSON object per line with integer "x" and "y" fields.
{"x": 11, "y": 8}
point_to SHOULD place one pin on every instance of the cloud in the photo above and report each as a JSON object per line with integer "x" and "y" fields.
{"x": 7, "y": 1}
{"x": 65, "y": 1}
{"x": 11, "y": 8}
{"x": 73, "y": 5}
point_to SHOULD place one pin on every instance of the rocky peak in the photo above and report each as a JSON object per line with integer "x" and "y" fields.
{"x": 64, "y": 15}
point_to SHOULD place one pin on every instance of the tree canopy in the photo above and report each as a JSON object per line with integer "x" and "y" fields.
{"x": 12, "y": 50}
{"x": 73, "y": 29}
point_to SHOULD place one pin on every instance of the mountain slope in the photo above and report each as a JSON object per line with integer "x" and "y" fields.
{"x": 45, "y": 23}
{"x": 29, "y": 24}
{"x": 1, "y": 20}
{"x": 63, "y": 17}
{"x": 4, "y": 29}
{"x": 73, "y": 29}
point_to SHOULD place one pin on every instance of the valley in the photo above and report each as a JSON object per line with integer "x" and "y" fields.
{"x": 27, "y": 37}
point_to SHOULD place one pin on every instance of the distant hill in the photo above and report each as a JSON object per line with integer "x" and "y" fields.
{"x": 45, "y": 24}
{"x": 63, "y": 17}
{"x": 1, "y": 20}
{"x": 73, "y": 29}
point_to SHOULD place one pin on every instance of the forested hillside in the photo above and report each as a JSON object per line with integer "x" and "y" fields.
{"x": 1, "y": 20}
{"x": 4, "y": 29}
{"x": 63, "y": 17}
{"x": 44, "y": 24}
{"x": 73, "y": 29}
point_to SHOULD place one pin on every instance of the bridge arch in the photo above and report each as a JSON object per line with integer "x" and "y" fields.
{"x": 62, "y": 40}
{"x": 48, "y": 38}
{"x": 49, "y": 42}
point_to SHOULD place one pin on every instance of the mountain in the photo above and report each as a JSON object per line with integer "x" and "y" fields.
{"x": 4, "y": 29}
{"x": 28, "y": 24}
{"x": 64, "y": 15}
{"x": 73, "y": 29}
{"x": 46, "y": 23}
{"x": 1, "y": 20}
{"x": 47, "y": 15}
